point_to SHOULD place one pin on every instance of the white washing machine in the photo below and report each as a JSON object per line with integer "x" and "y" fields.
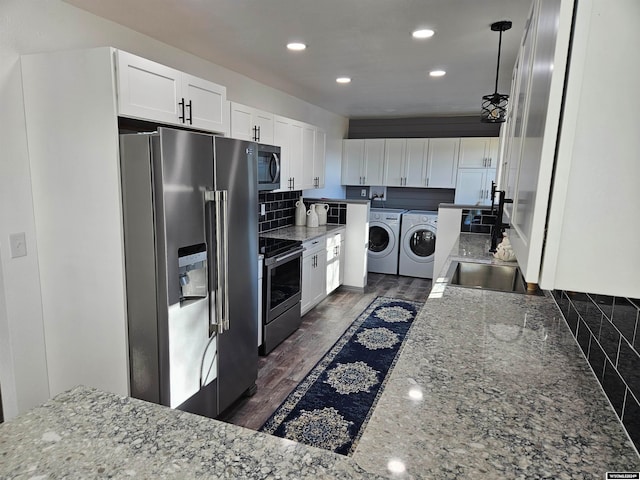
{"x": 418, "y": 243}
{"x": 384, "y": 240}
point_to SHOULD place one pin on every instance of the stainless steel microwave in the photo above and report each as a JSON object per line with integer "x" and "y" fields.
{"x": 268, "y": 167}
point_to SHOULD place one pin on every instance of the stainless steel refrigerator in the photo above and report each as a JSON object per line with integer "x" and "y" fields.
{"x": 190, "y": 239}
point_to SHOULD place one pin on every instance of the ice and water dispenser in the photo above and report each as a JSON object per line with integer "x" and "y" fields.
{"x": 192, "y": 272}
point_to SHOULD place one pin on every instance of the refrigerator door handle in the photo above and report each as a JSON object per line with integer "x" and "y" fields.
{"x": 222, "y": 245}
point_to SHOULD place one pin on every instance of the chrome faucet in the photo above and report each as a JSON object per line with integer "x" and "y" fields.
{"x": 498, "y": 227}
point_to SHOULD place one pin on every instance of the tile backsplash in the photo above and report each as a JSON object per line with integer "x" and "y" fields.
{"x": 608, "y": 332}
{"x": 477, "y": 220}
{"x": 280, "y": 210}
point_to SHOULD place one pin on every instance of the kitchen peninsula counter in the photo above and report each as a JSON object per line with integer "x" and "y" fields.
{"x": 487, "y": 385}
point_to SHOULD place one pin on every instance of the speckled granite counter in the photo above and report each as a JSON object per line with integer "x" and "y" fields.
{"x": 492, "y": 385}
{"x": 90, "y": 434}
{"x": 488, "y": 385}
{"x": 303, "y": 233}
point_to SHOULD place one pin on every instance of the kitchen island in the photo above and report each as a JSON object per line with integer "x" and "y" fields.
{"x": 488, "y": 385}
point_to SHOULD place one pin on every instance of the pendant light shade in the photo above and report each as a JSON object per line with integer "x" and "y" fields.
{"x": 494, "y": 106}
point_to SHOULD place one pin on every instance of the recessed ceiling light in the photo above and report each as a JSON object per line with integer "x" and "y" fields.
{"x": 423, "y": 33}
{"x": 296, "y": 46}
{"x": 437, "y": 73}
{"x": 343, "y": 80}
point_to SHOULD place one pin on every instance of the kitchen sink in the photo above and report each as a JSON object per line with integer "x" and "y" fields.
{"x": 487, "y": 276}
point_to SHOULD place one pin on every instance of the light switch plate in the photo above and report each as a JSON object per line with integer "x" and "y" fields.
{"x": 263, "y": 210}
{"x": 18, "y": 244}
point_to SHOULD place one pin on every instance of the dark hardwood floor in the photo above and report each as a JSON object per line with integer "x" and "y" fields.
{"x": 286, "y": 366}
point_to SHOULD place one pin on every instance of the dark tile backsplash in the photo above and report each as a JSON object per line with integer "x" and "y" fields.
{"x": 606, "y": 329}
{"x": 477, "y": 220}
{"x": 280, "y": 210}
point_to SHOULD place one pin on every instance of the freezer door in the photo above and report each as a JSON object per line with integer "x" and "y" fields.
{"x": 183, "y": 166}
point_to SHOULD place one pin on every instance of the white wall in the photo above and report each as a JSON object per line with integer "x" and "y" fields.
{"x": 30, "y": 26}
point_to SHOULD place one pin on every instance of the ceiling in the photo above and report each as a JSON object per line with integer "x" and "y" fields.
{"x": 367, "y": 40}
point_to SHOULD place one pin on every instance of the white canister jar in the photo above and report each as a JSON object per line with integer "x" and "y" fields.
{"x": 321, "y": 210}
{"x": 312, "y": 217}
{"x": 301, "y": 213}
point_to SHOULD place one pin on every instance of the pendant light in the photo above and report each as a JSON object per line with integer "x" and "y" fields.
{"x": 494, "y": 106}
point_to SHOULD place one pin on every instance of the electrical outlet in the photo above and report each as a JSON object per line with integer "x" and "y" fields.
{"x": 263, "y": 210}
{"x": 363, "y": 192}
{"x": 18, "y": 244}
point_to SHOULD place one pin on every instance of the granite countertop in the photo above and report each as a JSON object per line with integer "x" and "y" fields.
{"x": 488, "y": 385}
{"x": 492, "y": 385}
{"x": 303, "y": 233}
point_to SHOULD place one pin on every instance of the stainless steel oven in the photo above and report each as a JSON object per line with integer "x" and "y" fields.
{"x": 282, "y": 292}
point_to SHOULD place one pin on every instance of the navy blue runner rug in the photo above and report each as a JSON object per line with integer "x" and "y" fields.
{"x": 331, "y": 406}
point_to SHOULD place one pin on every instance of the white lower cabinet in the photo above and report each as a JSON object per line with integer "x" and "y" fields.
{"x": 314, "y": 261}
{"x": 335, "y": 261}
{"x": 322, "y": 268}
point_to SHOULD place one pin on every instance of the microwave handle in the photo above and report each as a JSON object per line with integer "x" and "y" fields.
{"x": 274, "y": 164}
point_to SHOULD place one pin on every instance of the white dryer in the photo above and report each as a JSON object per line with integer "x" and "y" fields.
{"x": 384, "y": 240}
{"x": 418, "y": 243}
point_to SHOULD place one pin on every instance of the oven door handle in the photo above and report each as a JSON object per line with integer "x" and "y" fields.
{"x": 278, "y": 260}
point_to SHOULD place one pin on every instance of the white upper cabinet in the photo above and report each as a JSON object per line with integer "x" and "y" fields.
{"x": 248, "y": 123}
{"x": 478, "y": 152}
{"x": 415, "y": 165}
{"x": 151, "y": 91}
{"x": 205, "y": 104}
{"x": 363, "y": 161}
{"x": 442, "y": 165}
{"x": 147, "y": 89}
{"x": 373, "y": 172}
{"x": 282, "y": 138}
{"x": 319, "y": 158}
{"x": 395, "y": 161}
{"x": 421, "y": 162}
{"x": 352, "y": 161}
{"x": 306, "y": 156}
{"x": 302, "y": 158}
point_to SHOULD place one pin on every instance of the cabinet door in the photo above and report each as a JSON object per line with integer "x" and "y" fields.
{"x": 394, "y": 159}
{"x": 148, "y": 90}
{"x": 352, "y": 161}
{"x": 308, "y": 295}
{"x": 306, "y": 157}
{"x": 492, "y": 153}
{"x": 205, "y": 104}
{"x": 264, "y": 123}
{"x": 473, "y": 152}
{"x": 333, "y": 262}
{"x": 415, "y": 162}
{"x": 489, "y": 176}
{"x": 319, "y": 277}
{"x": 442, "y": 162}
{"x": 296, "y": 152}
{"x": 341, "y": 260}
{"x": 373, "y": 161}
{"x": 470, "y": 186}
{"x": 282, "y": 138}
{"x": 319, "y": 158}
{"x": 241, "y": 121}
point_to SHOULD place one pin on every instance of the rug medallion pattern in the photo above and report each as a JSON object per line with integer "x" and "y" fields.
{"x": 331, "y": 406}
